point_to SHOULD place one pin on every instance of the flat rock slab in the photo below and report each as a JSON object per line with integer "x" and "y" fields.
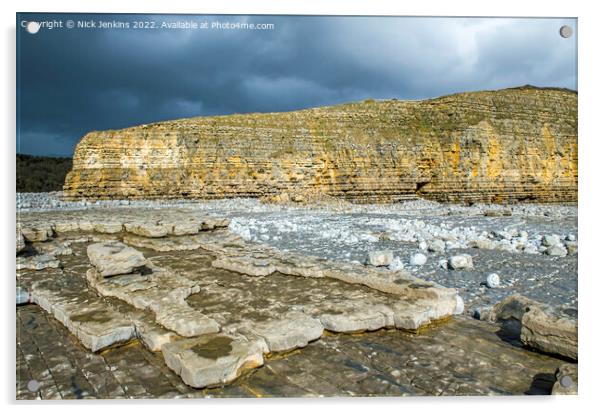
{"x": 37, "y": 233}
{"x": 37, "y": 262}
{"x": 147, "y": 229}
{"x": 291, "y": 331}
{"x": 155, "y": 223}
{"x": 180, "y": 243}
{"x": 219, "y": 269}
{"x": 461, "y": 357}
{"x": 152, "y": 335}
{"x": 213, "y": 359}
{"x": 163, "y": 293}
{"x": 94, "y": 323}
{"x": 113, "y": 258}
{"x": 261, "y": 260}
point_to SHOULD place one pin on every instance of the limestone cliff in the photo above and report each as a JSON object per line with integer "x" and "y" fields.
{"x": 493, "y": 146}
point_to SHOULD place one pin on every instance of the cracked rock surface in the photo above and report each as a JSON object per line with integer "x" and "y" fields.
{"x": 190, "y": 283}
{"x": 190, "y": 293}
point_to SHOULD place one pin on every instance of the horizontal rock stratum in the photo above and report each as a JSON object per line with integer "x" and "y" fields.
{"x": 515, "y": 144}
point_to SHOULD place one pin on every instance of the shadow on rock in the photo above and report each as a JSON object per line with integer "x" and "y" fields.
{"x": 542, "y": 384}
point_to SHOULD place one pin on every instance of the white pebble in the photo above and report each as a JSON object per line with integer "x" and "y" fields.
{"x": 396, "y": 264}
{"x": 418, "y": 259}
{"x": 493, "y": 280}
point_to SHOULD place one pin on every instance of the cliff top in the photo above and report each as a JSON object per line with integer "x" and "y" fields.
{"x": 497, "y": 98}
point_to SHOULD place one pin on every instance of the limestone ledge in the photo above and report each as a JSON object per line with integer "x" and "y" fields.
{"x": 85, "y": 314}
{"x": 165, "y": 321}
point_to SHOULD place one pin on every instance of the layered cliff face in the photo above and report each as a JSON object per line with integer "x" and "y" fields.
{"x": 495, "y": 146}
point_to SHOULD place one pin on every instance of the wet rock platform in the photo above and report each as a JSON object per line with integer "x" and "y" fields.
{"x": 461, "y": 357}
{"x": 171, "y": 303}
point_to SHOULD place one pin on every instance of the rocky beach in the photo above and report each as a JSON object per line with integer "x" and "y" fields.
{"x": 377, "y": 248}
{"x": 298, "y": 284}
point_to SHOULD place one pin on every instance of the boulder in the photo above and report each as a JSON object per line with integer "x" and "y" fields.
{"x": 437, "y": 245}
{"x": 380, "y": 258}
{"x": 556, "y": 251}
{"x": 567, "y": 380}
{"x": 213, "y": 359}
{"x": 152, "y": 335}
{"x": 482, "y": 243}
{"x": 114, "y": 258}
{"x": 460, "y": 262}
{"x": 54, "y": 248}
{"x": 540, "y": 327}
{"x": 549, "y": 240}
{"x": 511, "y": 307}
{"x": 396, "y": 264}
{"x": 549, "y": 333}
{"x": 38, "y": 233}
{"x": 571, "y": 247}
{"x": 418, "y": 259}
{"x": 86, "y": 315}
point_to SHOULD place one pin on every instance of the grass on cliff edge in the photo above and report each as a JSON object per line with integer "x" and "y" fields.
{"x": 41, "y": 173}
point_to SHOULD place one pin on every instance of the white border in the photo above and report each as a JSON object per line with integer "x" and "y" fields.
{"x": 590, "y": 157}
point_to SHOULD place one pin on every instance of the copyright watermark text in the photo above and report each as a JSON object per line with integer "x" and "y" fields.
{"x": 143, "y": 24}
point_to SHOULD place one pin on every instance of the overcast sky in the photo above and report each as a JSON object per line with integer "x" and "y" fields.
{"x": 71, "y": 81}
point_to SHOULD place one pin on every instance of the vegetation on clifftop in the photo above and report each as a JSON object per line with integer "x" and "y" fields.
{"x": 41, "y": 173}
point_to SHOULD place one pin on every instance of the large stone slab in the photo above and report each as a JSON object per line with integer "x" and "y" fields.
{"x": 152, "y": 335}
{"x": 37, "y": 262}
{"x": 112, "y": 258}
{"x": 245, "y": 265}
{"x": 180, "y": 243}
{"x": 90, "y": 319}
{"x": 163, "y": 293}
{"x": 213, "y": 359}
{"x": 226, "y": 274}
{"x": 38, "y": 233}
{"x": 291, "y": 331}
{"x": 108, "y": 227}
{"x": 351, "y": 318}
{"x": 147, "y": 229}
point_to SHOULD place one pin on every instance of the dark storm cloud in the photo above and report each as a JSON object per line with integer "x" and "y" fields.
{"x": 74, "y": 81}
